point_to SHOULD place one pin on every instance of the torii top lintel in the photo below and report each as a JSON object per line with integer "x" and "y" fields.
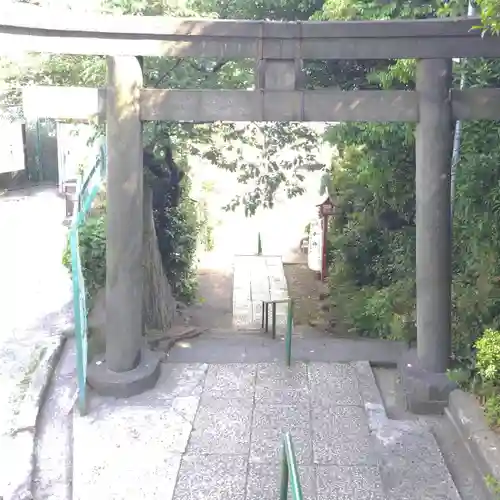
{"x": 36, "y": 29}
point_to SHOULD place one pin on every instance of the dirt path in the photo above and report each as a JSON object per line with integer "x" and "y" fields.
{"x": 213, "y": 307}
{"x": 305, "y": 288}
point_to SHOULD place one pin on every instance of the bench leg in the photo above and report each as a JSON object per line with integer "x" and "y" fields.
{"x": 274, "y": 319}
{"x": 267, "y": 318}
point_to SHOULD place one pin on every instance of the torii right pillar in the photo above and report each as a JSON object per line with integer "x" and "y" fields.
{"x": 424, "y": 376}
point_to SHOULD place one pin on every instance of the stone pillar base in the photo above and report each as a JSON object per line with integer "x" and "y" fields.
{"x": 425, "y": 392}
{"x": 124, "y": 384}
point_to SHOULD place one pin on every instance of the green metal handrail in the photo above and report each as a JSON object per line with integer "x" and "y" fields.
{"x": 289, "y": 471}
{"x": 88, "y": 188}
{"x": 289, "y": 323}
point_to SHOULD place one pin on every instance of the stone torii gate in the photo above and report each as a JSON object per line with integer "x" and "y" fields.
{"x": 278, "y": 49}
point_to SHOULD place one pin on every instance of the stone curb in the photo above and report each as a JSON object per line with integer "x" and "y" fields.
{"x": 370, "y": 393}
{"x": 481, "y": 442}
{"x": 379, "y": 423}
{"x": 35, "y": 394}
{"x": 22, "y": 435}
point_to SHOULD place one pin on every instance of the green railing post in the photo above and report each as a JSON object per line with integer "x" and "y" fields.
{"x": 289, "y": 471}
{"x": 284, "y": 474}
{"x": 259, "y": 244}
{"x": 289, "y": 328}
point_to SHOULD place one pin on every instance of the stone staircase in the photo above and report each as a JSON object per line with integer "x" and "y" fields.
{"x": 216, "y": 426}
{"x": 212, "y": 426}
{"x": 214, "y": 431}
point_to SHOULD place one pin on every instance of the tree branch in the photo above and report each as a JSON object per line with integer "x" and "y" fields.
{"x": 168, "y": 73}
{"x": 218, "y": 66}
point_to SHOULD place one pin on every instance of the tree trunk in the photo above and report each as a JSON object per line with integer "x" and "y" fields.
{"x": 159, "y": 303}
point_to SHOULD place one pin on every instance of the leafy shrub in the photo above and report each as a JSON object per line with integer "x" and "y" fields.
{"x": 177, "y": 241}
{"x": 493, "y": 485}
{"x": 177, "y": 244}
{"x": 480, "y": 374}
{"x": 372, "y": 266}
{"x": 492, "y": 410}
{"x": 488, "y": 356}
{"x": 92, "y": 239}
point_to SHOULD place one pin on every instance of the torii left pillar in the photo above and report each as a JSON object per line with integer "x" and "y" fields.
{"x": 127, "y": 367}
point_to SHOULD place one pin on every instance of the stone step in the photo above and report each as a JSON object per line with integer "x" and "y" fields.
{"x": 410, "y": 461}
{"x": 259, "y": 333}
{"x": 411, "y": 464}
{"x": 259, "y": 348}
{"x": 467, "y": 478}
{"x": 466, "y": 475}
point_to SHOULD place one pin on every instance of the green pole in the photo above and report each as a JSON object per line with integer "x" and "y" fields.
{"x": 289, "y": 471}
{"x": 293, "y": 469}
{"x": 284, "y": 474}
{"x": 289, "y": 327}
{"x": 259, "y": 244}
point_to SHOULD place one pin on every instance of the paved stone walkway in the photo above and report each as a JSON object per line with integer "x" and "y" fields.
{"x": 257, "y": 278}
{"x": 34, "y": 288}
{"x": 212, "y": 427}
{"x": 213, "y": 432}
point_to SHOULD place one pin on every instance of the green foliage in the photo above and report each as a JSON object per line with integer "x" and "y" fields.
{"x": 177, "y": 241}
{"x": 476, "y": 229}
{"x": 270, "y": 165}
{"x": 488, "y": 355}
{"x": 488, "y": 374}
{"x": 176, "y": 227}
{"x": 92, "y": 239}
{"x": 372, "y": 240}
{"x": 490, "y": 15}
{"x": 206, "y": 229}
{"x": 372, "y": 271}
{"x": 492, "y": 410}
{"x": 481, "y": 374}
{"x": 493, "y": 485}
